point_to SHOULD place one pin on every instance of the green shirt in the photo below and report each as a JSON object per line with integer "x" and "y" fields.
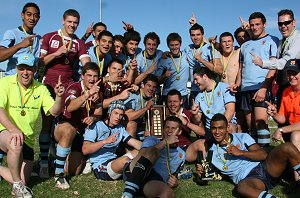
{"x": 10, "y": 100}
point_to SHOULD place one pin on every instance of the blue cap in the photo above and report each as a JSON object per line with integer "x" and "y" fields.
{"x": 116, "y": 104}
{"x": 26, "y": 59}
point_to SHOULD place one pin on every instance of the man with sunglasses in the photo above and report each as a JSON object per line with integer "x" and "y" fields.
{"x": 288, "y": 49}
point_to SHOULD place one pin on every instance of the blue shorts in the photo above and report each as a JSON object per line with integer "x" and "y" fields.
{"x": 248, "y": 104}
{"x": 101, "y": 172}
{"x": 260, "y": 172}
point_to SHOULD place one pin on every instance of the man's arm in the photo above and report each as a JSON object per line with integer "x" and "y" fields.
{"x": 255, "y": 152}
{"x": 59, "y": 89}
{"x": 230, "y": 110}
{"x": 135, "y": 143}
{"x": 133, "y": 115}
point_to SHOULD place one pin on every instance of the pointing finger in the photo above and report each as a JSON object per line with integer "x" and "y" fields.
{"x": 59, "y": 80}
{"x": 268, "y": 103}
{"x": 92, "y": 24}
{"x": 124, "y": 23}
{"x": 193, "y": 15}
{"x": 241, "y": 19}
{"x": 98, "y": 82}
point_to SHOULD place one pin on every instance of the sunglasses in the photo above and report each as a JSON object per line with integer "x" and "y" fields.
{"x": 285, "y": 23}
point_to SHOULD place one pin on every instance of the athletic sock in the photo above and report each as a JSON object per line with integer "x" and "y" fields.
{"x": 265, "y": 194}
{"x": 44, "y": 142}
{"x": 135, "y": 179}
{"x": 297, "y": 168}
{"x": 61, "y": 154}
{"x": 263, "y": 138}
{"x": 1, "y": 156}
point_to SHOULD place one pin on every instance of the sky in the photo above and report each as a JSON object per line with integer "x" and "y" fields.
{"x": 160, "y": 16}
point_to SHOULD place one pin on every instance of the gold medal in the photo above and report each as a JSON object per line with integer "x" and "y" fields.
{"x": 208, "y": 111}
{"x": 23, "y": 113}
{"x": 177, "y": 77}
{"x": 223, "y": 75}
{"x": 225, "y": 167}
{"x": 67, "y": 61}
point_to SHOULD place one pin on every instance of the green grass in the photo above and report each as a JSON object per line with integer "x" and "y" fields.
{"x": 88, "y": 186}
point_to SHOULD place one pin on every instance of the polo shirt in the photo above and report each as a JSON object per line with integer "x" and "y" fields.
{"x": 10, "y": 100}
{"x": 290, "y": 105}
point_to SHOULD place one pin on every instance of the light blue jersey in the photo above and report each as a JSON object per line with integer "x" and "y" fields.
{"x": 221, "y": 96}
{"x": 207, "y": 54}
{"x": 145, "y": 63}
{"x": 100, "y": 131}
{"x": 176, "y": 81}
{"x": 107, "y": 59}
{"x": 176, "y": 159}
{"x": 126, "y": 59}
{"x": 13, "y": 37}
{"x": 253, "y": 76}
{"x": 238, "y": 167}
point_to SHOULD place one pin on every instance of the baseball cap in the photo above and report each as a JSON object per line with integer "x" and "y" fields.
{"x": 293, "y": 64}
{"x": 26, "y": 59}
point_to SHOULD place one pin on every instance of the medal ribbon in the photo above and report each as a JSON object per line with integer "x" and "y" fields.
{"x": 145, "y": 60}
{"x": 225, "y": 64}
{"x": 199, "y": 50}
{"x": 168, "y": 158}
{"x": 224, "y": 160}
{"x": 208, "y": 102}
{"x": 64, "y": 43}
{"x": 100, "y": 64}
{"x": 88, "y": 103}
{"x": 30, "y": 46}
{"x": 213, "y": 55}
{"x": 179, "y": 64}
{"x": 22, "y": 97}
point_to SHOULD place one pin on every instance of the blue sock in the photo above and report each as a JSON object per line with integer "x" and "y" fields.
{"x": 1, "y": 156}
{"x": 44, "y": 142}
{"x": 263, "y": 138}
{"x": 61, "y": 154}
{"x": 265, "y": 194}
{"x": 297, "y": 168}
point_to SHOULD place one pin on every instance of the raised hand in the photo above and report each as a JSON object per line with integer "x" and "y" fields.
{"x": 95, "y": 88}
{"x": 125, "y": 94}
{"x": 112, "y": 138}
{"x": 133, "y": 63}
{"x": 234, "y": 150}
{"x": 173, "y": 138}
{"x": 245, "y": 24}
{"x": 61, "y": 51}
{"x": 89, "y": 30}
{"x": 256, "y": 59}
{"x": 194, "y": 108}
{"x": 198, "y": 55}
{"x": 89, "y": 120}
{"x": 271, "y": 110}
{"x": 213, "y": 39}
{"x": 193, "y": 19}
{"x": 127, "y": 26}
{"x": 59, "y": 88}
{"x": 28, "y": 41}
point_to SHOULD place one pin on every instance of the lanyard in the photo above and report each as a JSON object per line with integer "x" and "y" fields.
{"x": 168, "y": 158}
{"x": 201, "y": 45}
{"x": 145, "y": 60}
{"x": 179, "y": 64}
{"x": 30, "y": 47}
{"x": 100, "y": 64}
{"x": 225, "y": 64}
{"x": 24, "y": 100}
{"x": 208, "y": 102}
{"x": 224, "y": 158}
{"x": 63, "y": 41}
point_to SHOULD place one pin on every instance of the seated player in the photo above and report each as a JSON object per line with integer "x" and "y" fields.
{"x": 153, "y": 171}
{"x": 101, "y": 141}
{"x": 238, "y": 156}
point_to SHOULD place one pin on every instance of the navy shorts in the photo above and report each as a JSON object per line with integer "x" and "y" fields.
{"x": 101, "y": 173}
{"x": 260, "y": 172}
{"x": 248, "y": 104}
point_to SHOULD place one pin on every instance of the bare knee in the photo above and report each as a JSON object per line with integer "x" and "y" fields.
{"x": 295, "y": 139}
{"x": 65, "y": 132}
{"x": 167, "y": 193}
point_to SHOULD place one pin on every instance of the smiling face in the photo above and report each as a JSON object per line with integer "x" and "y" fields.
{"x": 174, "y": 103}
{"x": 98, "y": 30}
{"x": 104, "y": 44}
{"x": 90, "y": 78}
{"x": 30, "y": 18}
{"x": 294, "y": 78}
{"x": 70, "y": 24}
{"x": 25, "y": 75}
{"x": 131, "y": 47}
{"x": 150, "y": 47}
{"x": 117, "y": 48}
{"x": 149, "y": 89}
{"x": 114, "y": 68}
{"x": 200, "y": 82}
{"x": 196, "y": 37}
{"x": 174, "y": 47}
{"x": 171, "y": 127}
{"x": 219, "y": 131}
{"x": 286, "y": 25}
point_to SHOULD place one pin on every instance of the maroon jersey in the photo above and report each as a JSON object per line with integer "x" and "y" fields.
{"x": 59, "y": 66}
{"x": 110, "y": 90}
{"x": 184, "y": 137}
{"x": 75, "y": 118}
{"x": 90, "y": 44}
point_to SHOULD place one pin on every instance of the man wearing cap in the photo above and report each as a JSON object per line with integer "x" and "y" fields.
{"x": 21, "y": 100}
{"x": 289, "y": 108}
{"x": 101, "y": 140}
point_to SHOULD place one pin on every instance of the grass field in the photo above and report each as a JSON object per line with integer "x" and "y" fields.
{"x": 88, "y": 186}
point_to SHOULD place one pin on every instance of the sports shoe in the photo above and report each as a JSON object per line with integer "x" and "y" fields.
{"x": 88, "y": 167}
{"x": 44, "y": 171}
{"x": 21, "y": 190}
{"x": 61, "y": 181}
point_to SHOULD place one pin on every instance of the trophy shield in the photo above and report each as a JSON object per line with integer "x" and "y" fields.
{"x": 157, "y": 117}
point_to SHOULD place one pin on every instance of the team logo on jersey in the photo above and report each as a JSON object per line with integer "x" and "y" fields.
{"x": 36, "y": 97}
{"x": 263, "y": 42}
{"x": 180, "y": 155}
{"x": 72, "y": 91}
{"x": 54, "y": 44}
{"x": 219, "y": 94}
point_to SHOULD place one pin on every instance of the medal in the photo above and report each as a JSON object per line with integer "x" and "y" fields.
{"x": 177, "y": 67}
{"x": 177, "y": 77}
{"x": 208, "y": 111}
{"x": 23, "y": 113}
{"x": 67, "y": 61}
{"x": 223, "y": 75}
{"x": 225, "y": 167}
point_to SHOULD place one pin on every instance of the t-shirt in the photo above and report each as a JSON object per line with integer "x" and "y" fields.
{"x": 103, "y": 63}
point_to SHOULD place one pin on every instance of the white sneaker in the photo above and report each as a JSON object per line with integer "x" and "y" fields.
{"x": 21, "y": 190}
{"x": 88, "y": 167}
{"x": 44, "y": 171}
{"x": 61, "y": 182}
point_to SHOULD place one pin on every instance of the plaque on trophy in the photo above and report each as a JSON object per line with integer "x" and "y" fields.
{"x": 157, "y": 117}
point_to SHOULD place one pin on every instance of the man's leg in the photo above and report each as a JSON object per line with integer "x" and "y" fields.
{"x": 140, "y": 167}
{"x": 261, "y": 121}
{"x": 253, "y": 188}
{"x": 193, "y": 149}
{"x": 158, "y": 189}
{"x": 64, "y": 134}
{"x": 295, "y": 139}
